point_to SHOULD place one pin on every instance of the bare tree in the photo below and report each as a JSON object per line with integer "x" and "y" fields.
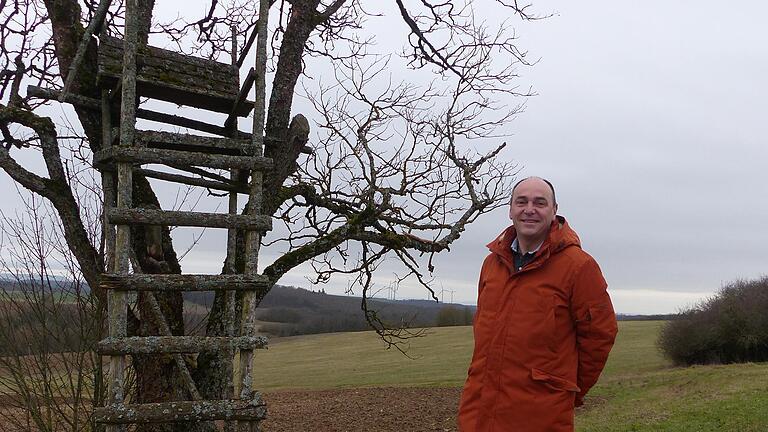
{"x": 47, "y": 327}
{"x": 393, "y": 172}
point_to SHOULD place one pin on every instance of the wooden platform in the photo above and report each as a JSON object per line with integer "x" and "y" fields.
{"x": 174, "y": 77}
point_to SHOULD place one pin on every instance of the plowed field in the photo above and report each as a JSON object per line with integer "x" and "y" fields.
{"x": 396, "y": 409}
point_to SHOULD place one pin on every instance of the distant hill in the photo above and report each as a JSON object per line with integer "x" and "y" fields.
{"x": 54, "y": 283}
{"x": 288, "y": 311}
{"x": 656, "y": 317}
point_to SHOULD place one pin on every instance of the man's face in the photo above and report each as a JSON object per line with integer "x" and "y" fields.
{"x": 532, "y": 209}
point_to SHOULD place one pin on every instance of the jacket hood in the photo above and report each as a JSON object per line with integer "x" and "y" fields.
{"x": 560, "y": 237}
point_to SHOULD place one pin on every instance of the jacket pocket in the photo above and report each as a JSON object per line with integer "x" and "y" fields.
{"x": 554, "y": 382}
{"x": 558, "y": 318}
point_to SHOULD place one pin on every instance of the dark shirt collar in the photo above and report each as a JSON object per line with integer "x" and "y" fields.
{"x": 521, "y": 260}
{"x": 516, "y": 247}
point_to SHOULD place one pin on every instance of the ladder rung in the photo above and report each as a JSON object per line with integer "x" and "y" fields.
{"x": 186, "y": 282}
{"x": 193, "y": 143}
{"x": 177, "y": 344}
{"x": 143, "y": 155}
{"x": 142, "y": 216}
{"x": 166, "y": 412}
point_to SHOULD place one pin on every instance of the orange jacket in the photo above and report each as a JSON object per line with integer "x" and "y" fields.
{"x": 542, "y": 336}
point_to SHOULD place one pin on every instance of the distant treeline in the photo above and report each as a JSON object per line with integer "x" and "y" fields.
{"x": 289, "y": 311}
{"x": 657, "y": 317}
{"x": 49, "y": 317}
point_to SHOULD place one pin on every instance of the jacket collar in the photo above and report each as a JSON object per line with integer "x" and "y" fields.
{"x": 560, "y": 236}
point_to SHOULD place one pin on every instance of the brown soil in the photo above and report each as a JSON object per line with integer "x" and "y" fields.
{"x": 375, "y": 409}
{"x": 404, "y": 409}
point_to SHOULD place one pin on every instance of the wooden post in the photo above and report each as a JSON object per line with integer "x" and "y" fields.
{"x": 108, "y": 186}
{"x": 94, "y": 27}
{"x": 117, "y": 299}
{"x": 253, "y": 238}
{"x": 230, "y": 297}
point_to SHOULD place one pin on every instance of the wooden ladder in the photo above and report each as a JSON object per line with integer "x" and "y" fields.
{"x": 123, "y": 153}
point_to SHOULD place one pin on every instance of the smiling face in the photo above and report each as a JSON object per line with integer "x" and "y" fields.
{"x": 532, "y": 210}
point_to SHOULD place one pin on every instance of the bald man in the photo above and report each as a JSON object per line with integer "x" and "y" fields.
{"x": 544, "y": 324}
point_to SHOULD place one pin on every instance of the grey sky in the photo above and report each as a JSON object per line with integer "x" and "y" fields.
{"x": 650, "y": 122}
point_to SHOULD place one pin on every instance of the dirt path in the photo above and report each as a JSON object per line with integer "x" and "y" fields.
{"x": 357, "y": 410}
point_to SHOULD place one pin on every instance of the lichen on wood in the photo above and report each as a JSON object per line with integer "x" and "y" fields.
{"x": 240, "y": 409}
{"x": 177, "y": 344}
{"x": 176, "y": 157}
{"x": 143, "y": 216}
{"x": 174, "y": 77}
{"x": 188, "y": 142}
{"x": 185, "y": 282}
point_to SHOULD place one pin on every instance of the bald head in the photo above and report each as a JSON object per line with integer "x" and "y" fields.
{"x": 532, "y": 210}
{"x": 537, "y": 180}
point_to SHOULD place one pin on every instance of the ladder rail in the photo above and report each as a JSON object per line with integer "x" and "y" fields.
{"x": 253, "y": 238}
{"x": 117, "y": 305}
{"x": 120, "y": 216}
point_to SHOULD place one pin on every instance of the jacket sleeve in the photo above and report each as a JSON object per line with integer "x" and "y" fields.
{"x": 595, "y": 323}
{"x": 469, "y": 403}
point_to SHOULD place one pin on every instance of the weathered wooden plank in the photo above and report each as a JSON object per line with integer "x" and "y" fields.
{"x": 201, "y": 172}
{"x": 94, "y": 104}
{"x": 207, "y": 78}
{"x": 179, "y": 78}
{"x": 158, "y": 64}
{"x": 196, "y": 97}
{"x": 173, "y": 57}
{"x": 174, "y": 77}
{"x": 177, "y": 344}
{"x": 185, "y": 282}
{"x": 188, "y": 123}
{"x": 143, "y": 155}
{"x": 144, "y": 216}
{"x": 193, "y": 181}
{"x": 166, "y": 412}
{"x": 196, "y": 143}
{"x": 152, "y": 82}
{"x": 242, "y": 97}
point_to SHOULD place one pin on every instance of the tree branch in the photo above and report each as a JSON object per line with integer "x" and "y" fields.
{"x": 56, "y": 189}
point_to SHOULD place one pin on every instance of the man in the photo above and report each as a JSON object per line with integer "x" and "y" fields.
{"x": 544, "y": 324}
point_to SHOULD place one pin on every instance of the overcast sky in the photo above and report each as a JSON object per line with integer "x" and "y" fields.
{"x": 650, "y": 120}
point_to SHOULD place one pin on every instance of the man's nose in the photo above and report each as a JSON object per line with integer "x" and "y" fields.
{"x": 529, "y": 208}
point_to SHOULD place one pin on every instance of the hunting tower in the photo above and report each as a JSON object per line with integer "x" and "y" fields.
{"x": 128, "y": 70}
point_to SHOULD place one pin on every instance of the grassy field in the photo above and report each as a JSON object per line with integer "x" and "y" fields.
{"x": 639, "y": 390}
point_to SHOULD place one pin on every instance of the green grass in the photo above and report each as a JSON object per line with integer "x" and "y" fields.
{"x": 361, "y": 359}
{"x": 639, "y": 390}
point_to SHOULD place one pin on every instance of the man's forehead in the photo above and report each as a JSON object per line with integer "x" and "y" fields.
{"x": 532, "y": 187}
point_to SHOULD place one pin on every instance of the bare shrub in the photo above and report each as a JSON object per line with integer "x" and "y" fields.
{"x": 731, "y": 327}
{"x": 48, "y": 328}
